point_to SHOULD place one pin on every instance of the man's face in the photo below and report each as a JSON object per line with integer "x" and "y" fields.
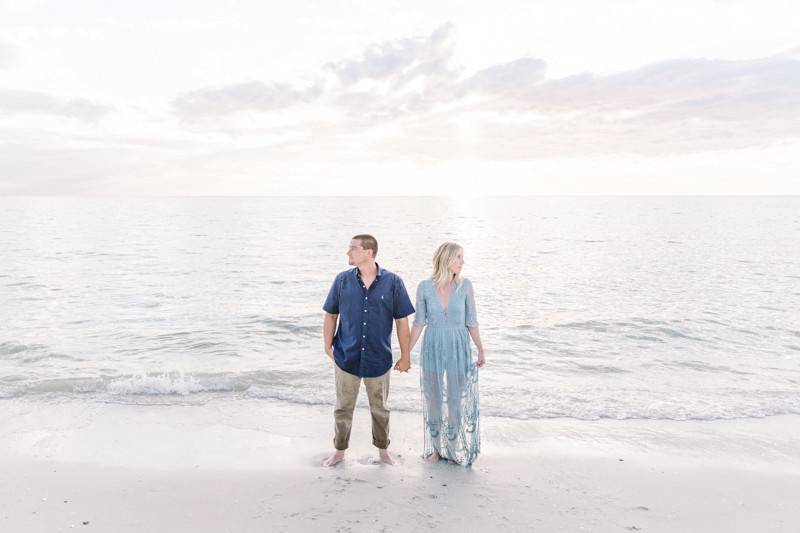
{"x": 356, "y": 254}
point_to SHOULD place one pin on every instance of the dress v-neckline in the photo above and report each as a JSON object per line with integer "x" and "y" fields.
{"x": 449, "y": 297}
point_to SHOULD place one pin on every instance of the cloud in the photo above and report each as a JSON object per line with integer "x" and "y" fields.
{"x": 511, "y": 110}
{"x": 19, "y": 101}
{"x": 696, "y": 84}
{"x": 387, "y": 79}
{"x": 37, "y": 168}
{"x": 403, "y": 104}
{"x": 399, "y": 61}
{"x": 248, "y": 96}
{"x": 685, "y": 105}
{"x": 518, "y": 75}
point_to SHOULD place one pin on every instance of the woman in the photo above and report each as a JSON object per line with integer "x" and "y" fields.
{"x": 448, "y": 375}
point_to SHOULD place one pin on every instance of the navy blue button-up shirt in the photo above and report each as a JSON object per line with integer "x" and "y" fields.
{"x": 362, "y": 344}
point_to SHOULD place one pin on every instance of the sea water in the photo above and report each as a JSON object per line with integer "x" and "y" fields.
{"x": 589, "y": 307}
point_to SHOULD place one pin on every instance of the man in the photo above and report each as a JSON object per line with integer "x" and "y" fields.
{"x": 365, "y": 299}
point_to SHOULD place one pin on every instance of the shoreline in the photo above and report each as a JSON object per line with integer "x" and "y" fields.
{"x": 249, "y": 465}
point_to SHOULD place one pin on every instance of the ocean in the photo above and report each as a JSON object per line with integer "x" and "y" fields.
{"x": 677, "y": 308}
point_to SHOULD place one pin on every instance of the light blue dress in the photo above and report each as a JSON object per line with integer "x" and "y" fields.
{"x": 448, "y": 376}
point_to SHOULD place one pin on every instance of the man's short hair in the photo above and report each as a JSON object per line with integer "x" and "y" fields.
{"x": 368, "y": 242}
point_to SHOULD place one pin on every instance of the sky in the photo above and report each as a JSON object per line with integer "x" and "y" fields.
{"x": 399, "y": 98}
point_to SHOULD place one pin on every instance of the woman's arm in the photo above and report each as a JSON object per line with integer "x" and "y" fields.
{"x": 472, "y": 323}
{"x": 420, "y": 317}
{"x": 475, "y": 333}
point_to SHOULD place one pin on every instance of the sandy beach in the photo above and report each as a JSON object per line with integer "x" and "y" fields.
{"x": 247, "y": 465}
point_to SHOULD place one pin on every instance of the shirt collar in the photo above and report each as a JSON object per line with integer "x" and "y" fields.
{"x": 378, "y": 274}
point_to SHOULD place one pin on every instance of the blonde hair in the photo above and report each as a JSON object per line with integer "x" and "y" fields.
{"x": 442, "y": 259}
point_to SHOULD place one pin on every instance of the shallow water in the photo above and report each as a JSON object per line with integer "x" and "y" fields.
{"x": 590, "y": 307}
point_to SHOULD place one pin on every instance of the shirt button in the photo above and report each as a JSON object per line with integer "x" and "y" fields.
{"x": 365, "y": 323}
{"x": 362, "y": 349}
{"x": 365, "y": 310}
{"x": 363, "y": 336}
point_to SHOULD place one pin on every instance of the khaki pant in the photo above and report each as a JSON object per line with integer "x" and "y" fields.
{"x": 347, "y": 386}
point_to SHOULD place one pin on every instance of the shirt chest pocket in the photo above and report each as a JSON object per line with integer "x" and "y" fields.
{"x": 385, "y": 301}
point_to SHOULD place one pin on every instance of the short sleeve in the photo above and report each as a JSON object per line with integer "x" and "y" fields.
{"x": 471, "y": 312}
{"x": 420, "y": 318}
{"x": 332, "y": 301}
{"x": 402, "y": 303}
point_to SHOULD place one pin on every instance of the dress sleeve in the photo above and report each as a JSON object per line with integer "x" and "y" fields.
{"x": 471, "y": 312}
{"x": 421, "y": 315}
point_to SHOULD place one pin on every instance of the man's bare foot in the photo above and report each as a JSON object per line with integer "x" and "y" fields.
{"x": 433, "y": 458}
{"x": 334, "y": 459}
{"x": 385, "y": 457}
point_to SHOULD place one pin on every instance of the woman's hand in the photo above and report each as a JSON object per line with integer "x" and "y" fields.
{"x": 481, "y": 359}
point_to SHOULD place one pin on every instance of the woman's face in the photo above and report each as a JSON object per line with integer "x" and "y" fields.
{"x": 458, "y": 263}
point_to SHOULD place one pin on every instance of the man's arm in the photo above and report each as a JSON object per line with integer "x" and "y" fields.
{"x": 416, "y": 332}
{"x": 404, "y": 338}
{"x": 328, "y": 329}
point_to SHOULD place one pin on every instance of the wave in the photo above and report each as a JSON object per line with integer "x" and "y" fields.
{"x": 13, "y": 348}
{"x": 304, "y": 388}
{"x": 163, "y": 385}
{"x": 31, "y": 353}
{"x": 298, "y": 326}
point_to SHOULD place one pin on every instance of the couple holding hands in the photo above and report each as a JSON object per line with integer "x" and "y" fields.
{"x": 365, "y": 300}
